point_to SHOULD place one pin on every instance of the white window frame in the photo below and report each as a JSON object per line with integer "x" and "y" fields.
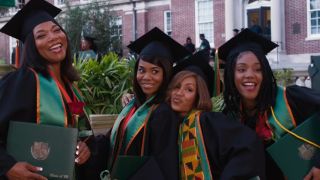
{"x": 197, "y": 22}
{"x": 167, "y": 22}
{"x": 118, "y": 22}
{"x": 311, "y": 36}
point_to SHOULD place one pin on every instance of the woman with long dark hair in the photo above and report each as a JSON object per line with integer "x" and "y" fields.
{"x": 252, "y": 95}
{"x": 147, "y": 126}
{"x": 42, "y": 90}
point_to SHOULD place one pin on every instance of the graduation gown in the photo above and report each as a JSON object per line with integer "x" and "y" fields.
{"x": 160, "y": 145}
{"x": 303, "y": 102}
{"x": 234, "y": 151}
{"x": 18, "y": 103}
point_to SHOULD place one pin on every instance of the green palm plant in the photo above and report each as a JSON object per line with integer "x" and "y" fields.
{"x": 103, "y": 83}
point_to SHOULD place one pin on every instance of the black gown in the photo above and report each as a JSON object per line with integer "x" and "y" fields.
{"x": 18, "y": 102}
{"x": 234, "y": 151}
{"x": 160, "y": 145}
{"x": 303, "y": 103}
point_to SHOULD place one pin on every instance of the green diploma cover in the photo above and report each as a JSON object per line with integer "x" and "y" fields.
{"x": 294, "y": 156}
{"x": 50, "y": 147}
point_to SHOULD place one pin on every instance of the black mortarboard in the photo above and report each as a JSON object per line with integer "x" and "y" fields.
{"x": 156, "y": 43}
{"x": 245, "y": 40}
{"x": 197, "y": 63}
{"x": 32, "y": 14}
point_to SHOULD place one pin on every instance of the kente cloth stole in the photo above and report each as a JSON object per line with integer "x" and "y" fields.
{"x": 283, "y": 113}
{"x": 134, "y": 126}
{"x": 193, "y": 158}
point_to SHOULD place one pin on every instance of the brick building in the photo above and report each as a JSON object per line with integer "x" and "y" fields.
{"x": 293, "y": 24}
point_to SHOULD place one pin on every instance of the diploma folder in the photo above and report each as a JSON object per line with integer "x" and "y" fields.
{"x": 50, "y": 147}
{"x": 295, "y": 157}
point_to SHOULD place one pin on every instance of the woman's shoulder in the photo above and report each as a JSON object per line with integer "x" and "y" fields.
{"x": 17, "y": 77}
{"x": 163, "y": 112}
{"x": 162, "y": 108}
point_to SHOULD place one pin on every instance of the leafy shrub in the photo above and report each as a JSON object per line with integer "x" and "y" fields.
{"x": 217, "y": 103}
{"x": 283, "y": 76}
{"x": 103, "y": 83}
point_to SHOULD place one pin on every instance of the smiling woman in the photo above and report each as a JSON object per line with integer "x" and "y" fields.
{"x": 147, "y": 126}
{"x": 210, "y": 145}
{"x": 42, "y": 90}
{"x": 51, "y": 42}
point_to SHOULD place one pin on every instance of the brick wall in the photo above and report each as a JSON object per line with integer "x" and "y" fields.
{"x": 142, "y": 23}
{"x": 219, "y": 25}
{"x": 126, "y": 31}
{"x": 183, "y": 20}
{"x": 296, "y": 18}
{"x": 155, "y": 17}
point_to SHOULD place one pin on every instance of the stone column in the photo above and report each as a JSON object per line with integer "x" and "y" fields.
{"x": 276, "y": 22}
{"x": 229, "y": 18}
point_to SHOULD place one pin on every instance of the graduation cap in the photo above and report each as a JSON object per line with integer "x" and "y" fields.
{"x": 32, "y": 14}
{"x": 244, "y": 41}
{"x": 156, "y": 43}
{"x": 197, "y": 63}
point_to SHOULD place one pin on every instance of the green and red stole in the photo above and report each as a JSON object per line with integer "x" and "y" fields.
{"x": 194, "y": 163}
{"x": 136, "y": 123}
{"x": 283, "y": 113}
{"x": 50, "y": 104}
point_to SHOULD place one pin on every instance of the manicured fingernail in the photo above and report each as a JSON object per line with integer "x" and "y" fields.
{"x": 77, "y": 152}
{"x": 76, "y": 160}
{"x": 77, "y": 146}
{"x": 40, "y": 168}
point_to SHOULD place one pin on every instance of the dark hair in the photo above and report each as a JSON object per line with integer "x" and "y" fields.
{"x": 166, "y": 66}
{"x": 267, "y": 93}
{"x": 90, "y": 40}
{"x": 32, "y": 58}
{"x": 203, "y": 100}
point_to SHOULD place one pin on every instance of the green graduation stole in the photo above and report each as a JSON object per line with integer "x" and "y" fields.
{"x": 283, "y": 113}
{"x": 135, "y": 124}
{"x": 51, "y": 108}
{"x": 193, "y": 158}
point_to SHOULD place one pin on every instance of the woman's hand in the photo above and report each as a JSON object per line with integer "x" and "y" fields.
{"x": 24, "y": 170}
{"x": 82, "y": 153}
{"x": 126, "y": 98}
{"x": 314, "y": 174}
